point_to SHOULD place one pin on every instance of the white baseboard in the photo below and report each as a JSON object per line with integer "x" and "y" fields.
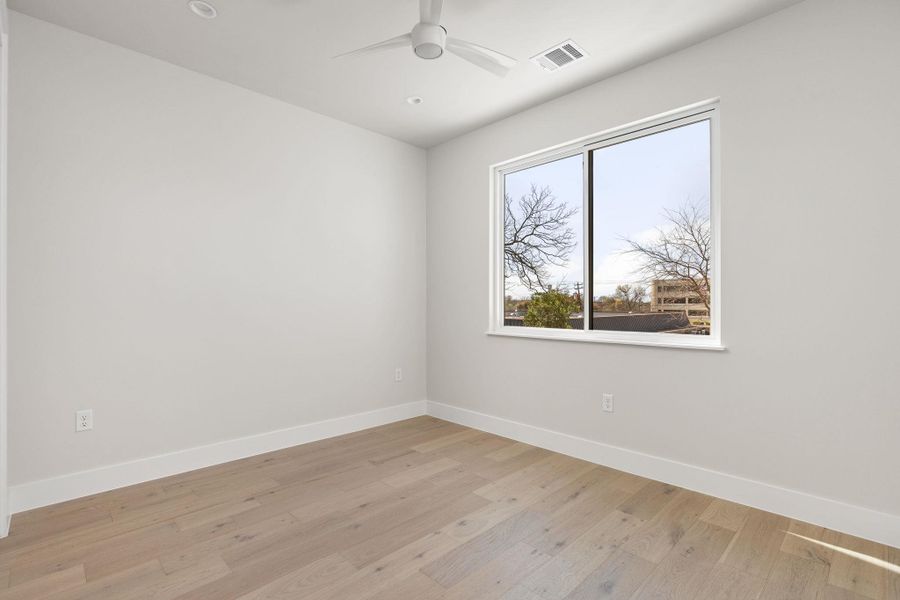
{"x": 35, "y": 494}
{"x": 839, "y": 516}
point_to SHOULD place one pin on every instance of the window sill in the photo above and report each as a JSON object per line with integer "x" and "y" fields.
{"x": 661, "y": 340}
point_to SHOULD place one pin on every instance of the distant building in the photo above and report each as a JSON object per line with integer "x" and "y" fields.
{"x": 677, "y": 296}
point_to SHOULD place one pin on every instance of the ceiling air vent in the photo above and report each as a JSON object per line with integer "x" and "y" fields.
{"x": 559, "y": 56}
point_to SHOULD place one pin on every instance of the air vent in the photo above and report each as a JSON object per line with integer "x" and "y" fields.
{"x": 559, "y": 56}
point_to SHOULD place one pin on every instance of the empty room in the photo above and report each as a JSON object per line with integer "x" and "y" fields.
{"x": 449, "y": 299}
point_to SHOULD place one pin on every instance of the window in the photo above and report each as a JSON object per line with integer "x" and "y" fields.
{"x": 613, "y": 238}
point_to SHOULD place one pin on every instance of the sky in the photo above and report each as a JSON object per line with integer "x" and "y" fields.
{"x": 634, "y": 183}
{"x": 565, "y": 179}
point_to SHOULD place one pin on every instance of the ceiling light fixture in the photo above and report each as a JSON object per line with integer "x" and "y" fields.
{"x": 415, "y": 100}
{"x": 203, "y": 9}
{"x": 428, "y": 39}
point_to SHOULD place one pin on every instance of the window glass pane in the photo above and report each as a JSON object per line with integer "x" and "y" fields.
{"x": 652, "y": 245}
{"x": 544, "y": 245}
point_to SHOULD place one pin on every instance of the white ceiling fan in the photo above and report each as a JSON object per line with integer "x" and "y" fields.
{"x": 429, "y": 41}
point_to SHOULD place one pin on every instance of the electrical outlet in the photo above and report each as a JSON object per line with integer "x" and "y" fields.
{"x": 398, "y": 374}
{"x": 607, "y": 403}
{"x": 84, "y": 420}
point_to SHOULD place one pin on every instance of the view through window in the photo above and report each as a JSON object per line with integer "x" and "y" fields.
{"x": 544, "y": 244}
{"x": 648, "y": 233}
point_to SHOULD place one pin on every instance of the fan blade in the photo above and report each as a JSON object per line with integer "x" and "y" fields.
{"x": 430, "y": 11}
{"x": 398, "y": 42}
{"x": 495, "y": 62}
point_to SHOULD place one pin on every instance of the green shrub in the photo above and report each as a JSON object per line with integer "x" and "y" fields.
{"x": 552, "y": 308}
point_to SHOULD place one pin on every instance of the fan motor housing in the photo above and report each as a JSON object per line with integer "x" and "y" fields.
{"x": 428, "y": 40}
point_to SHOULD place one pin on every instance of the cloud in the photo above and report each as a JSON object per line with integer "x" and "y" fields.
{"x": 618, "y": 267}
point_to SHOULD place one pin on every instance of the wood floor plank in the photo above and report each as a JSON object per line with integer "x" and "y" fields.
{"x": 129, "y": 499}
{"x": 795, "y": 578}
{"x": 666, "y": 528}
{"x": 629, "y": 482}
{"x": 568, "y": 569}
{"x": 727, "y": 583}
{"x": 493, "y": 470}
{"x": 855, "y": 575}
{"x": 420, "y": 472}
{"x": 424, "y": 509}
{"x": 446, "y": 440}
{"x": 801, "y": 541}
{"x": 510, "y": 451}
{"x": 568, "y": 522}
{"x": 461, "y": 562}
{"x": 359, "y": 497}
{"x": 520, "y": 592}
{"x": 391, "y": 569}
{"x": 125, "y": 583}
{"x": 892, "y": 576}
{"x": 98, "y": 558}
{"x": 179, "y": 557}
{"x": 726, "y": 514}
{"x": 757, "y": 544}
{"x": 33, "y": 529}
{"x": 417, "y": 586}
{"x": 214, "y": 513}
{"x": 148, "y": 581}
{"x": 305, "y": 581}
{"x": 573, "y": 489}
{"x": 475, "y": 450}
{"x": 499, "y": 575}
{"x": 46, "y": 585}
{"x": 142, "y": 545}
{"x": 173, "y": 585}
{"x": 550, "y": 473}
{"x": 479, "y": 521}
{"x": 617, "y": 577}
{"x": 649, "y": 500}
{"x": 831, "y": 592}
{"x": 684, "y": 571}
{"x": 377, "y": 547}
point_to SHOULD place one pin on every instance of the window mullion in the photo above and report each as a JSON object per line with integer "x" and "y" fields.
{"x": 588, "y": 262}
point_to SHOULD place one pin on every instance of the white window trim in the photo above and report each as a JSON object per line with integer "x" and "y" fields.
{"x": 707, "y": 110}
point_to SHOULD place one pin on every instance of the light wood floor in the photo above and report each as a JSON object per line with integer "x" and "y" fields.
{"x": 425, "y": 510}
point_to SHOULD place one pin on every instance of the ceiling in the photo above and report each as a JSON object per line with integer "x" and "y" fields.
{"x": 284, "y": 49}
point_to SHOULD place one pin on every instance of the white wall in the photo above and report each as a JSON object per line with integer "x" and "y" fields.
{"x": 4, "y": 77}
{"x": 806, "y": 396}
{"x": 194, "y": 261}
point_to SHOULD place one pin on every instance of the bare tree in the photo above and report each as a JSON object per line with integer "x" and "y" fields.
{"x": 536, "y": 236}
{"x": 681, "y": 251}
{"x": 630, "y": 297}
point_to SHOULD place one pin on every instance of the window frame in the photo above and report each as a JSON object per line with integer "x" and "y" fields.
{"x": 702, "y": 111}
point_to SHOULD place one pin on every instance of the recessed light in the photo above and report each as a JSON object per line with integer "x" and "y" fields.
{"x": 415, "y": 100}
{"x": 203, "y": 9}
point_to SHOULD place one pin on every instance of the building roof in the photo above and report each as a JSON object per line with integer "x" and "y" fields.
{"x": 646, "y": 322}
